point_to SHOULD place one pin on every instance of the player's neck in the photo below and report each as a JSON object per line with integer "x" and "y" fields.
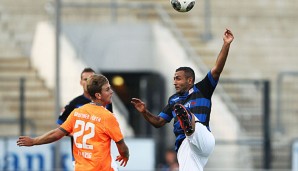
{"x": 86, "y": 94}
{"x": 97, "y": 103}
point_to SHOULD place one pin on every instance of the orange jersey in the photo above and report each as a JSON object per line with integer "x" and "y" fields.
{"x": 93, "y": 127}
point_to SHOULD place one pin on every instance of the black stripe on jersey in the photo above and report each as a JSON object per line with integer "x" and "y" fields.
{"x": 202, "y": 110}
{"x": 204, "y": 87}
{"x": 63, "y": 130}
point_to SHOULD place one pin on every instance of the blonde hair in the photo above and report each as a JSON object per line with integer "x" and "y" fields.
{"x": 95, "y": 83}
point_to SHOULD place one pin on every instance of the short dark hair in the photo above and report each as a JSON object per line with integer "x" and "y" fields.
{"x": 189, "y": 73}
{"x": 95, "y": 83}
{"x": 87, "y": 70}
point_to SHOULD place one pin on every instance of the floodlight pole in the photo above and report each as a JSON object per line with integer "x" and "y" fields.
{"x": 22, "y": 106}
{"x": 57, "y": 76}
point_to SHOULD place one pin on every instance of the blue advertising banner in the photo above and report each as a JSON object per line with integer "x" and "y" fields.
{"x": 42, "y": 157}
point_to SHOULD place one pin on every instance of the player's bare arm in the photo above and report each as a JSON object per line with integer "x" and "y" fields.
{"x": 154, "y": 120}
{"x": 46, "y": 138}
{"x": 222, "y": 57}
{"x": 123, "y": 151}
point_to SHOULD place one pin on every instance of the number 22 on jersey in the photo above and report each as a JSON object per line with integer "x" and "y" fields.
{"x": 83, "y": 128}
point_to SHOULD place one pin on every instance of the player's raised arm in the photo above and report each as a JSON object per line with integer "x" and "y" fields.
{"x": 223, "y": 55}
{"x": 154, "y": 120}
{"x": 49, "y": 137}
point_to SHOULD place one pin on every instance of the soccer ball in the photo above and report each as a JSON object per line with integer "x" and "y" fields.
{"x": 183, "y": 5}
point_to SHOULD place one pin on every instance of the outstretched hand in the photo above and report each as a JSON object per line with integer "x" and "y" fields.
{"x": 25, "y": 141}
{"x": 228, "y": 36}
{"x": 139, "y": 105}
{"x": 122, "y": 159}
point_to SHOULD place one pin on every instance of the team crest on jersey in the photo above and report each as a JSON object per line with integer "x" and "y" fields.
{"x": 187, "y": 105}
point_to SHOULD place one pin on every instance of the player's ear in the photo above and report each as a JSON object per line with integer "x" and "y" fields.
{"x": 98, "y": 96}
{"x": 81, "y": 82}
{"x": 189, "y": 80}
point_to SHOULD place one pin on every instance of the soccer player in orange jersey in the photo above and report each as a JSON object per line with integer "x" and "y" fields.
{"x": 93, "y": 127}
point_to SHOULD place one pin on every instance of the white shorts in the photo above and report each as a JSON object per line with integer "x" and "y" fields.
{"x": 194, "y": 151}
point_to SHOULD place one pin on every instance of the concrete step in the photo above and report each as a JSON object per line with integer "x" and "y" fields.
{"x": 4, "y": 75}
{"x": 35, "y": 113}
{"x": 45, "y": 113}
{"x": 10, "y": 129}
{"x": 10, "y": 51}
{"x": 41, "y": 93}
{"x": 280, "y": 156}
{"x": 28, "y": 87}
{"x": 14, "y": 84}
{"x": 45, "y": 126}
{"x": 4, "y": 37}
{"x": 31, "y": 103}
{"x": 106, "y": 15}
{"x": 87, "y": 1}
{"x": 26, "y": 9}
{"x": 14, "y": 63}
{"x": 39, "y": 100}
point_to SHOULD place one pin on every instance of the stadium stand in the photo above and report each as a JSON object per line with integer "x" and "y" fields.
{"x": 39, "y": 100}
{"x": 18, "y": 20}
{"x": 265, "y": 45}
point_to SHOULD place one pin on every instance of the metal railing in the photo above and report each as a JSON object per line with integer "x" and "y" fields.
{"x": 281, "y": 92}
{"x": 21, "y": 121}
{"x": 30, "y": 123}
{"x": 252, "y": 98}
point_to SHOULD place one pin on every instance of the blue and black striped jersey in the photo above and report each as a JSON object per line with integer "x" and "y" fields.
{"x": 197, "y": 100}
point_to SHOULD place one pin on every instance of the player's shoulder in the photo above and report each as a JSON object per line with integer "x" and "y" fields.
{"x": 173, "y": 98}
{"x": 206, "y": 78}
{"x": 80, "y": 99}
{"x": 105, "y": 113}
{"x": 84, "y": 107}
{"x": 97, "y": 109}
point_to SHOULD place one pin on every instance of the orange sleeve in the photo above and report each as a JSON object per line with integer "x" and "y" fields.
{"x": 69, "y": 123}
{"x": 113, "y": 128}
